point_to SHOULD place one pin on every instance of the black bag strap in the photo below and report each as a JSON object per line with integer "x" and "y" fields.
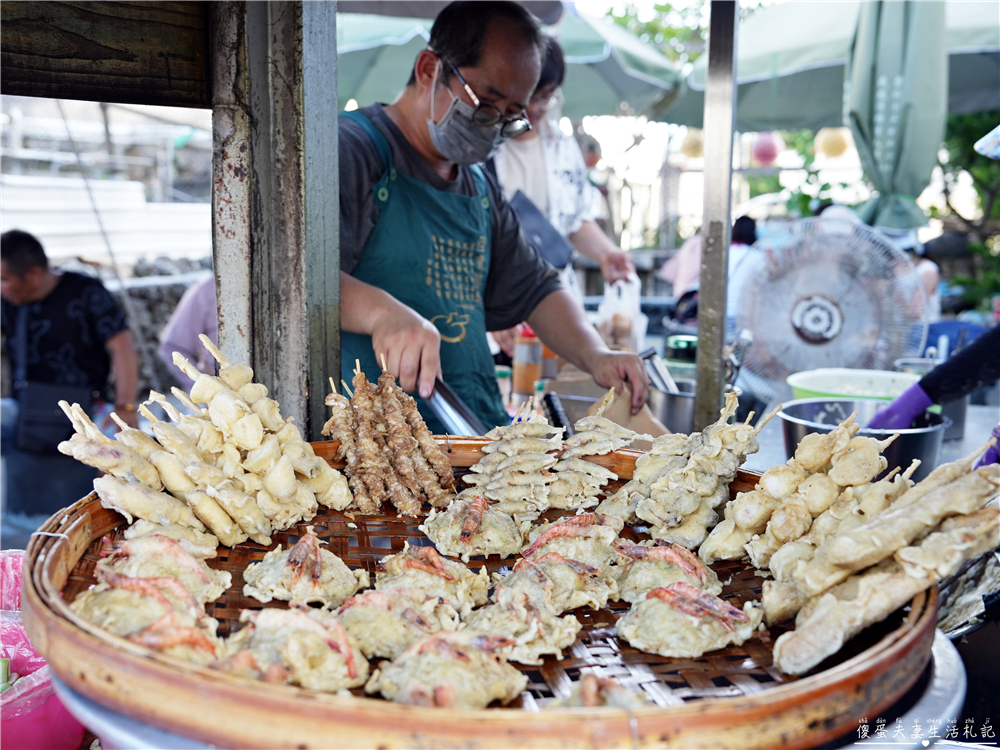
{"x": 21, "y": 351}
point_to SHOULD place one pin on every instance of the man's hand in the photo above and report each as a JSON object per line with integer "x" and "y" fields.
{"x": 412, "y": 349}
{"x": 591, "y": 241}
{"x": 560, "y": 322}
{"x": 612, "y": 369}
{"x": 125, "y": 366}
{"x": 505, "y": 339}
{"x": 617, "y": 265}
{"x": 410, "y": 344}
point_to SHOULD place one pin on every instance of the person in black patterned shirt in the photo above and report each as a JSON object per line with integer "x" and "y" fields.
{"x": 76, "y": 335}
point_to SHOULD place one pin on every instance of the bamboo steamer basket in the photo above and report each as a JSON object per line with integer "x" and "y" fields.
{"x": 731, "y": 698}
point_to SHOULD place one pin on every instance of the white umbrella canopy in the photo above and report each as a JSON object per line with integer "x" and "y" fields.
{"x": 608, "y": 69}
{"x": 791, "y": 59}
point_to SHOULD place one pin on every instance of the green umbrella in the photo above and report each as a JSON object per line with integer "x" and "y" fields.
{"x": 609, "y": 70}
{"x": 896, "y": 99}
{"x": 375, "y": 55}
{"x": 791, "y": 59}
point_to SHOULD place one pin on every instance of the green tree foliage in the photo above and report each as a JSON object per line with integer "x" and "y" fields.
{"x": 961, "y": 133}
{"x": 678, "y": 30}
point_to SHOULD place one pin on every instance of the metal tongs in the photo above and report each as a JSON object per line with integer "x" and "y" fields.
{"x": 453, "y": 412}
{"x": 659, "y": 376}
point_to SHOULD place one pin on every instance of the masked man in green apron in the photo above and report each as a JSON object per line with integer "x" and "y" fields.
{"x": 432, "y": 256}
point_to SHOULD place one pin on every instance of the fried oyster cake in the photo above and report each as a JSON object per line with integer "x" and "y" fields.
{"x": 559, "y": 583}
{"x": 301, "y": 646}
{"x": 158, "y": 613}
{"x": 422, "y": 568}
{"x": 683, "y": 621}
{"x": 385, "y": 623}
{"x": 654, "y": 567}
{"x": 470, "y": 527}
{"x": 586, "y": 537}
{"x": 303, "y": 574}
{"x": 158, "y": 556}
{"x": 535, "y": 630}
{"x": 450, "y": 670}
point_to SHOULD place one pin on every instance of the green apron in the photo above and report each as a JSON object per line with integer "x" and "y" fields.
{"x": 431, "y": 251}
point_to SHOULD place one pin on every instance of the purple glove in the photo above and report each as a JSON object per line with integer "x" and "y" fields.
{"x": 899, "y": 414}
{"x": 992, "y": 455}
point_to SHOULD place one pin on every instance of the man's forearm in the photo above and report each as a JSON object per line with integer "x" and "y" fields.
{"x": 591, "y": 242}
{"x": 362, "y": 305}
{"x": 562, "y": 324}
{"x": 125, "y": 366}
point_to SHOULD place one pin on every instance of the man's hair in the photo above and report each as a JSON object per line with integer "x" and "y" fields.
{"x": 553, "y": 67}
{"x": 745, "y": 230}
{"x": 460, "y": 28}
{"x": 22, "y": 251}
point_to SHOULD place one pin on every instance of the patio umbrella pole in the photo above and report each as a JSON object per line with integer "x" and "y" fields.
{"x": 719, "y": 111}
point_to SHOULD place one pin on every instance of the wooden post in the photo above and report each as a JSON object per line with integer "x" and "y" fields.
{"x": 322, "y": 204}
{"x": 719, "y": 100}
{"x": 231, "y": 177}
{"x": 294, "y": 216}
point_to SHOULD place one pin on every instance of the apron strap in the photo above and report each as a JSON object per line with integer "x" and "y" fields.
{"x": 379, "y": 140}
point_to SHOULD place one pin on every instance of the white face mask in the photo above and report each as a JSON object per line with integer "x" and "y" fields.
{"x": 457, "y": 138}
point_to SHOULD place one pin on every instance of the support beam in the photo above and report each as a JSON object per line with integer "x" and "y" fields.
{"x": 231, "y": 177}
{"x": 126, "y": 51}
{"x": 294, "y": 219}
{"x": 720, "y": 95}
{"x": 322, "y": 204}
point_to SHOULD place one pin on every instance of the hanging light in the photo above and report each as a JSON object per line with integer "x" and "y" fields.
{"x": 693, "y": 145}
{"x": 766, "y": 148}
{"x": 832, "y": 142}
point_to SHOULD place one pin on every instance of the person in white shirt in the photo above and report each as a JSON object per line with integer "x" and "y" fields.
{"x": 546, "y": 165}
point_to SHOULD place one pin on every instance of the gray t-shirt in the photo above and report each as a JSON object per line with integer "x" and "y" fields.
{"x": 518, "y": 278}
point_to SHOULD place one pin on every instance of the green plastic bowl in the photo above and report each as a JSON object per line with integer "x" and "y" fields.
{"x": 842, "y": 382}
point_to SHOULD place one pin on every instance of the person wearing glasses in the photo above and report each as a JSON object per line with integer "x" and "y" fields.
{"x": 432, "y": 255}
{"x": 547, "y": 166}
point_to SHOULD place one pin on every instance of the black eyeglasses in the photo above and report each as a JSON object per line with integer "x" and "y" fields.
{"x": 487, "y": 115}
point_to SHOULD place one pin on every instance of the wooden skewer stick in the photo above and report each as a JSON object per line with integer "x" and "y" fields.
{"x": 891, "y": 474}
{"x": 767, "y": 419}
{"x": 914, "y": 465}
{"x": 357, "y": 367}
{"x": 78, "y": 425}
{"x": 90, "y": 430}
{"x": 384, "y": 368}
{"x": 517, "y": 414}
{"x": 147, "y": 414}
{"x": 606, "y": 402}
{"x": 333, "y": 386}
{"x": 347, "y": 389}
{"x": 169, "y": 408}
{"x": 185, "y": 399}
{"x": 214, "y": 350}
{"x": 186, "y": 367}
{"x": 119, "y": 421}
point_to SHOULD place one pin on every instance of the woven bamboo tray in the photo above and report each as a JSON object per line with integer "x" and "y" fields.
{"x": 732, "y": 697}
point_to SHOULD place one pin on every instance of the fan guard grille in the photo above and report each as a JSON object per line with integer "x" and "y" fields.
{"x": 826, "y": 293}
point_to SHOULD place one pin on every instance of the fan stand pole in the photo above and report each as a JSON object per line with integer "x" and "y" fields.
{"x": 720, "y": 93}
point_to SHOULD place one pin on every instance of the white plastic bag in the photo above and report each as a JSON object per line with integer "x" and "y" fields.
{"x": 620, "y": 320}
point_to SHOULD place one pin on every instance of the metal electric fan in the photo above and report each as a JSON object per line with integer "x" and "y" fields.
{"x": 825, "y": 292}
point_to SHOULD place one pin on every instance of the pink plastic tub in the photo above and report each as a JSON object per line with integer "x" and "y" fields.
{"x": 31, "y": 715}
